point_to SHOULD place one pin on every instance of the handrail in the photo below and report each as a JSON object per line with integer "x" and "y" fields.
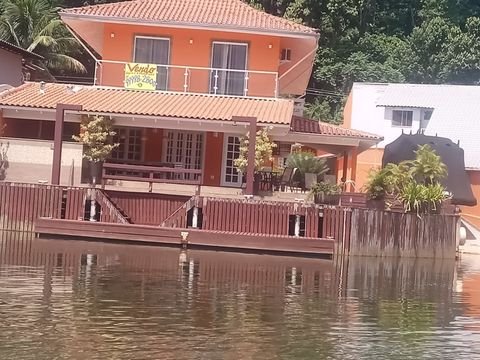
{"x": 255, "y": 82}
{"x": 166, "y": 174}
{"x": 191, "y": 67}
{"x": 114, "y": 212}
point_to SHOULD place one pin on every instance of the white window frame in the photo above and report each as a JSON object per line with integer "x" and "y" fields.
{"x": 224, "y": 164}
{"x": 231, "y": 43}
{"x": 401, "y": 125}
{"x": 142, "y": 143}
{"x": 204, "y": 142}
{"x": 167, "y": 66}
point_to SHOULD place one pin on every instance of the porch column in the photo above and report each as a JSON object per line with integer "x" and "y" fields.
{"x": 345, "y": 169}
{"x": 57, "y": 140}
{"x": 251, "y": 150}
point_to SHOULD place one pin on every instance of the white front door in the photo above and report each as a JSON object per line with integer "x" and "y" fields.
{"x": 184, "y": 149}
{"x": 231, "y": 151}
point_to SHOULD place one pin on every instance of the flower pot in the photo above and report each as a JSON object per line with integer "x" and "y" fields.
{"x": 327, "y": 199}
{"x": 376, "y": 204}
{"x": 96, "y": 168}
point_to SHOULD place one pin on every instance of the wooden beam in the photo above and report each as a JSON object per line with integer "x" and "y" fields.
{"x": 57, "y": 140}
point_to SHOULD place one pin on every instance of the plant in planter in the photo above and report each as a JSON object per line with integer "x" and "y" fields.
{"x": 326, "y": 193}
{"x": 306, "y": 162}
{"x": 422, "y": 199}
{"x": 263, "y": 152}
{"x": 3, "y": 160}
{"x": 95, "y": 135}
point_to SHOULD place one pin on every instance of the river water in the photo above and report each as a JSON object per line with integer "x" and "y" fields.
{"x": 64, "y": 299}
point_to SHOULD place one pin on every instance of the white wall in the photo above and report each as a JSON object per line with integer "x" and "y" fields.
{"x": 31, "y": 160}
{"x": 367, "y": 116}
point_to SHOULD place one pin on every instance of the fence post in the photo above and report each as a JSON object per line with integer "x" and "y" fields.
{"x": 93, "y": 208}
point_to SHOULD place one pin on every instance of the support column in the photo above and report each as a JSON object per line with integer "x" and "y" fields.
{"x": 251, "y": 150}
{"x": 57, "y": 140}
{"x": 345, "y": 166}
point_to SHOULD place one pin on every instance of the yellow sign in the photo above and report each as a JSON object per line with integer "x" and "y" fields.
{"x": 140, "y": 76}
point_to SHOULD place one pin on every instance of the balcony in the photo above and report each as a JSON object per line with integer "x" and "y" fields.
{"x": 186, "y": 79}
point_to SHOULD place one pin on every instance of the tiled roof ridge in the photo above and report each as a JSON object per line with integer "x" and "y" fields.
{"x": 235, "y": 5}
{"x": 337, "y": 130}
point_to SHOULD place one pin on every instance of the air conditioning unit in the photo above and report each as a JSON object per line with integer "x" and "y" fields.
{"x": 286, "y": 55}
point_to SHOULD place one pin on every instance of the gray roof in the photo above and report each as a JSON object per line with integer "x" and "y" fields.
{"x": 456, "y": 112}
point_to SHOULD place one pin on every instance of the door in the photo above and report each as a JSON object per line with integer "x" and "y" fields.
{"x": 129, "y": 142}
{"x": 231, "y": 152}
{"x": 229, "y": 61}
{"x": 184, "y": 149}
{"x": 151, "y": 50}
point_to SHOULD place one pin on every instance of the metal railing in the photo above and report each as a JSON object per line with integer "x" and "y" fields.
{"x": 194, "y": 79}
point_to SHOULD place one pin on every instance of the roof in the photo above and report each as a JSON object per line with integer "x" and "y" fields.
{"x": 154, "y": 103}
{"x": 456, "y": 112}
{"x": 233, "y": 14}
{"x": 305, "y": 125}
{"x": 19, "y": 51}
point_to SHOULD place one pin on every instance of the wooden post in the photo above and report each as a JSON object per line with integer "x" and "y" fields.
{"x": 345, "y": 166}
{"x": 251, "y": 150}
{"x": 57, "y": 140}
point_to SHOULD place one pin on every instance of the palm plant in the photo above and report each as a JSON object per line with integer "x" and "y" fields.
{"x": 307, "y": 162}
{"x": 428, "y": 167}
{"x": 35, "y": 26}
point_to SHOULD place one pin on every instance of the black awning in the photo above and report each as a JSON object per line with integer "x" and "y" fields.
{"x": 456, "y": 182}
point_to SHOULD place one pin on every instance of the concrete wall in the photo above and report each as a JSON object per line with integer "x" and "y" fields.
{"x": 364, "y": 114}
{"x": 11, "y": 68}
{"x": 31, "y": 160}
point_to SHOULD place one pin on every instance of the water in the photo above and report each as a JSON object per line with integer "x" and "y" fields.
{"x": 78, "y": 300}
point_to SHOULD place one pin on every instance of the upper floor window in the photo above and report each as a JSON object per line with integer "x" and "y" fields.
{"x": 402, "y": 118}
{"x": 151, "y": 50}
{"x": 229, "y": 65}
{"x": 426, "y": 116}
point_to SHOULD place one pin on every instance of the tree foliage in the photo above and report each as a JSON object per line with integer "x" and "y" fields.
{"x": 424, "y": 41}
{"x": 35, "y": 26}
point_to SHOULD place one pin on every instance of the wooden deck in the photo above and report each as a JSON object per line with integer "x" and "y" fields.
{"x": 184, "y": 237}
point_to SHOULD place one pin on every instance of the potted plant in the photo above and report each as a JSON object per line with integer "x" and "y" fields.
{"x": 263, "y": 153}
{"x": 306, "y": 162}
{"x": 95, "y": 135}
{"x": 326, "y": 193}
{"x": 3, "y": 160}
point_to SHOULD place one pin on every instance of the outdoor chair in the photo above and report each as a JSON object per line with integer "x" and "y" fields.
{"x": 286, "y": 179}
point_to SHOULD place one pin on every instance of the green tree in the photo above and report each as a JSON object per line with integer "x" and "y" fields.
{"x": 35, "y": 26}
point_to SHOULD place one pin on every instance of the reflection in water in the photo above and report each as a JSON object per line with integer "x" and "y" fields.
{"x": 81, "y": 300}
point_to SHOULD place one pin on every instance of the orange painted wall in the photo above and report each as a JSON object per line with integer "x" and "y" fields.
{"x": 212, "y": 169}
{"x": 153, "y": 144}
{"x": 472, "y": 213}
{"x": 371, "y": 158}
{"x": 120, "y": 47}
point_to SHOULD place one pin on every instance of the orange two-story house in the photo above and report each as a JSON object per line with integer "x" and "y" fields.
{"x": 175, "y": 75}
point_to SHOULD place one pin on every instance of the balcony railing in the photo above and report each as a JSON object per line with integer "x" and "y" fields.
{"x": 190, "y": 79}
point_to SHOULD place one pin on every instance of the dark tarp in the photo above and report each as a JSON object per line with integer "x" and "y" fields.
{"x": 456, "y": 182}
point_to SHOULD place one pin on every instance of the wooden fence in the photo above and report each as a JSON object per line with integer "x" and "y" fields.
{"x": 147, "y": 208}
{"x": 22, "y": 204}
{"x": 381, "y": 233}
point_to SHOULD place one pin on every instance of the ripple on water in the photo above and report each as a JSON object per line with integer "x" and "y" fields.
{"x": 156, "y": 303}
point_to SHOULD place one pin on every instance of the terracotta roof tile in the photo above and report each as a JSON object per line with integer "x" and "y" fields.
{"x": 176, "y": 105}
{"x": 309, "y": 126}
{"x": 220, "y": 13}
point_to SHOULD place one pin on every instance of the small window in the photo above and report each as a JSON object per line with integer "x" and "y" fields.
{"x": 402, "y": 118}
{"x": 427, "y": 114}
{"x": 286, "y": 55}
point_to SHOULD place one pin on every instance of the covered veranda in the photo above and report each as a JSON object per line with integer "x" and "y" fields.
{"x": 174, "y": 142}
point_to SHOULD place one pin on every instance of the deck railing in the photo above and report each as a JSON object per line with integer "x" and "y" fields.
{"x": 151, "y": 174}
{"x": 194, "y": 79}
